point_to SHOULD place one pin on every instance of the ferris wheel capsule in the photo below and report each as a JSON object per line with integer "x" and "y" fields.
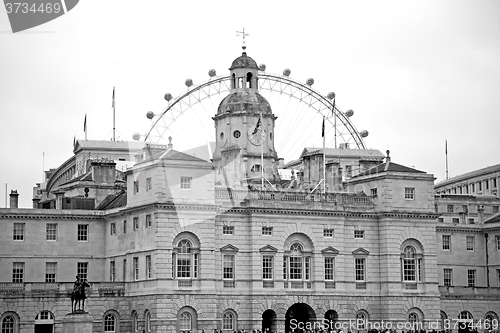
{"x": 330, "y": 95}
{"x": 188, "y": 82}
{"x": 262, "y": 67}
{"x": 212, "y": 73}
{"x": 136, "y": 136}
{"x": 363, "y": 133}
{"x": 349, "y": 113}
{"x": 150, "y": 114}
{"x": 286, "y": 72}
{"x": 310, "y": 82}
{"x": 168, "y": 97}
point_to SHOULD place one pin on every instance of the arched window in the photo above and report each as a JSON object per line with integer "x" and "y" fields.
{"x": 185, "y": 260}
{"x": 185, "y": 322}
{"x": 413, "y": 320}
{"x": 9, "y": 324}
{"x": 297, "y": 258}
{"x": 249, "y": 80}
{"x": 110, "y": 323}
{"x": 255, "y": 168}
{"x": 443, "y": 318}
{"x": 229, "y": 320}
{"x": 147, "y": 321}
{"x": 411, "y": 262}
{"x": 233, "y": 81}
{"x": 361, "y": 320}
{"x": 46, "y": 321}
{"x": 135, "y": 319}
{"x": 465, "y": 315}
{"x": 490, "y": 321}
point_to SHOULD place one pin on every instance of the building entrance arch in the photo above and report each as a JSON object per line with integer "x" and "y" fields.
{"x": 299, "y": 318}
{"x": 44, "y": 322}
{"x": 269, "y": 321}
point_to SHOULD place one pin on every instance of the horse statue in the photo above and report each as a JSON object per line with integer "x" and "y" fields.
{"x": 78, "y": 295}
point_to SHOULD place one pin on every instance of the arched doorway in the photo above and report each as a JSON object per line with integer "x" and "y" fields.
{"x": 465, "y": 322}
{"x": 299, "y": 318}
{"x": 331, "y": 317}
{"x": 44, "y": 322}
{"x": 269, "y": 321}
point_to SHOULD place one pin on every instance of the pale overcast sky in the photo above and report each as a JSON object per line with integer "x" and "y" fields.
{"x": 415, "y": 73}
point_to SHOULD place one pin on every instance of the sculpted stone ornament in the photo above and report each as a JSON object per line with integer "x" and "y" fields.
{"x": 78, "y": 295}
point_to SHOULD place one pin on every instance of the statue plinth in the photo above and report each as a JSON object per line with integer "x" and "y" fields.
{"x": 77, "y": 322}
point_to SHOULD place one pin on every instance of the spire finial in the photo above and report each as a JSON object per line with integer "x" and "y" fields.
{"x": 242, "y": 34}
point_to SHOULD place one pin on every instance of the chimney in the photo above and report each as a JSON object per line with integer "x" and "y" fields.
{"x": 35, "y": 202}
{"x": 14, "y": 199}
{"x": 388, "y": 158}
{"x": 103, "y": 171}
{"x": 59, "y": 199}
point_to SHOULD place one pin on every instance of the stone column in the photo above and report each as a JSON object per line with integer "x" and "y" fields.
{"x": 77, "y": 323}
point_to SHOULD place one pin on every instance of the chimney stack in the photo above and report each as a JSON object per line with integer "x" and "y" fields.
{"x": 14, "y": 199}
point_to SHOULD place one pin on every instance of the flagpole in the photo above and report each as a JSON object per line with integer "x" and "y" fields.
{"x": 85, "y": 127}
{"x": 446, "y": 155}
{"x": 261, "y": 154}
{"x": 114, "y": 139}
{"x": 324, "y": 158}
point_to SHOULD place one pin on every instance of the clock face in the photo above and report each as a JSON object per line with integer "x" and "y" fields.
{"x": 258, "y": 137}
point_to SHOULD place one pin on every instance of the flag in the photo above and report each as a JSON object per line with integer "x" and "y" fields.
{"x": 323, "y": 128}
{"x": 256, "y": 127}
{"x": 85, "y": 123}
{"x": 446, "y": 146}
{"x": 113, "y": 104}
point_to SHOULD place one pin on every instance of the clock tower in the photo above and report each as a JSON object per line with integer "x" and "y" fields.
{"x": 244, "y": 130}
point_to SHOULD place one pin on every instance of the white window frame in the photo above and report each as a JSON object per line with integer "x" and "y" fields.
{"x": 448, "y": 277}
{"x": 360, "y": 266}
{"x": 186, "y": 182}
{"x": 51, "y": 232}
{"x": 471, "y": 278}
{"x": 135, "y": 263}
{"x": 18, "y": 269}
{"x": 329, "y": 263}
{"x": 228, "y": 267}
{"x": 328, "y": 232}
{"x": 409, "y": 193}
{"x": 112, "y": 271}
{"x": 446, "y": 245}
{"x": 82, "y": 233}
{"x": 148, "y": 267}
{"x": 50, "y": 272}
{"x": 148, "y": 184}
{"x": 82, "y": 270}
{"x": 268, "y": 267}
{"x": 136, "y": 186}
{"x": 18, "y": 231}
{"x": 267, "y": 231}
{"x": 359, "y": 234}
{"x": 470, "y": 243}
{"x": 228, "y": 229}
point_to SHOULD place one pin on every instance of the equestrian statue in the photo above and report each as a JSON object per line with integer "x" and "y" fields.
{"x": 78, "y": 295}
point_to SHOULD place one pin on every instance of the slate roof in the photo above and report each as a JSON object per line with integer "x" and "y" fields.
{"x": 104, "y": 144}
{"x": 179, "y": 156}
{"x": 388, "y": 167}
{"x": 361, "y": 153}
{"x": 115, "y": 200}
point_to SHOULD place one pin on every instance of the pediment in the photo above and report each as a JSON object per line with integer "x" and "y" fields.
{"x": 330, "y": 250}
{"x": 269, "y": 249}
{"x": 360, "y": 252}
{"x": 229, "y": 248}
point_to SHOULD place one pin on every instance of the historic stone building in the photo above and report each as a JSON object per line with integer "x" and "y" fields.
{"x": 177, "y": 243}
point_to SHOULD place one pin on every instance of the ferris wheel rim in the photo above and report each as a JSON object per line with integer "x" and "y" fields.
{"x": 277, "y": 78}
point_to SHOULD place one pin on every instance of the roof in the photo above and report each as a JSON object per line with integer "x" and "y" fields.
{"x": 244, "y": 101}
{"x": 172, "y": 154}
{"x": 85, "y": 177}
{"x": 104, "y": 144}
{"x": 388, "y": 167}
{"x": 358, "y": 153}
{"x": 204, "y": 152}
{"x": 468, "y": 175}
{"x": 244, "y": 61}
{"x": 115, "y": 200}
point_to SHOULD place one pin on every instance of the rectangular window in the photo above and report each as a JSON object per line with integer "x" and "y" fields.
{"x": 469, "y": 240}
{"x": 18, "y": 272}
{"x": 136, "y": 269}
{"x": 228, "y": 267}
{"x": 448, "y": 277}
{"x": 498, "y": 277}
{"x": 136, "y": 187}
{"x": 50, "y": 271}
{"x": 455, "y": 220}
{"x": 285, "y": 268}
{"x": 82, "y": 269}
{"x": 359, "y": 268}
{"x": 348, "y": 171}
{"x": 51, "y": 231}
{"x": 125, "y": 226}
{"x": 471, "y": 278}
{"x": 295, "y": 267}
{"x": 449, "y": 208}
{"x": 487, "y": 184}
{"x": 124, "y": 270}
{"x": 472, "y": 188}
{"x": 148, "y": 267}
{"x": 359, "y": 234}
{"x": 409, "y": 269}
{"x": 18, "y": 231}
{"x": 465, "y": 209}
{"x": 373, "y": 192}
{"x": 186, "y": 183}
{"x": 497, "y": 240}
{"x": 495, "y": 209}
{"x": 409, "y": 193}
{"x": 479, "y": 186}
{"x": 328, "y": 232}
{"x": 148, "y": 220}
{"x": 329, "y": 268}
{"x": 135, "y": 223}
{"x": 307, "y": 267}
{"x": 228, "y": 230}
{"x": 267, "y": 231}
{"x": 148, "y": 184}
{"x": 446, "y": 242}
{"x": 494, "y": 183}
{"x": 112, "y": 229}
{"x": 267, "y": 267}
{"x": 471, "y": 221}
{"x": 440, "y": 220}
{"x": 112, "y": 271}
{"x": 83, "y": 233}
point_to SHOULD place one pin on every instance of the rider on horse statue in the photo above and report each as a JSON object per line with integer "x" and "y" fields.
{"x": 78, "y": 295}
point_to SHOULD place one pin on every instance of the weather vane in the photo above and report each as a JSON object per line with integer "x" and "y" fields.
{"x": 242, "y": 34}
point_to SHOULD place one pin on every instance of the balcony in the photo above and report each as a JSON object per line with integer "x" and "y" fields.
{"x": 353, "y": 199}
{"x": 453, "y": 292}
{"x": 58, "y": 289}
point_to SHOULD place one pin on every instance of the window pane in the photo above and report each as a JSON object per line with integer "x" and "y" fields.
{"x": 329, "y": 268}
{"x": 228, "y": 267}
